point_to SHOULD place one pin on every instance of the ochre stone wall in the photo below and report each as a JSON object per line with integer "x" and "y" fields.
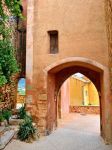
{"x": 82, "y": 42}
{"x": 108, "y": 16}
{"x": 93, "y": 95}
{"x": 8, "y": 94}
{"x": 76, "y": 93}
{"x": 20, "y": 98}
{"x": 65, "y": 98}
{"x": 85, "y": 109}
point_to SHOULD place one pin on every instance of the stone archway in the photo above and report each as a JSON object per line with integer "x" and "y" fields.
{"x": 97, "y": 73}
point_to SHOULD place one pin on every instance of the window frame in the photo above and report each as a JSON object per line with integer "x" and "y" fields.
{"x": 53, "y": 37}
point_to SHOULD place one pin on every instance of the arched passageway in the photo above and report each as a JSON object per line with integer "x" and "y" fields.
{"x": 56, "y": 77}
{"x": 77, "y": 95}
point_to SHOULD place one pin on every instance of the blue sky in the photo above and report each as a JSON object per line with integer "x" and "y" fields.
{"x": 21, "y": 83}
{"x": 21, "y": 86}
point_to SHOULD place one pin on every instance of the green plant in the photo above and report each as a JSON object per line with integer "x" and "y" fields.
{"x": 8, "y": 62}
{"x": 22, "y": 113}
{"x": 7, "y": 114}
{"x": 26, "y": 130}
{"x": 13, "y": 7}
{"x": 1, "y": 117}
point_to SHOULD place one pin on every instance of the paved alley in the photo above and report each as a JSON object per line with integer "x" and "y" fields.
{"x": 75, "y": 132}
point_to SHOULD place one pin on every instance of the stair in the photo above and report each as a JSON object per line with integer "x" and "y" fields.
{"x": 6, "y": 134}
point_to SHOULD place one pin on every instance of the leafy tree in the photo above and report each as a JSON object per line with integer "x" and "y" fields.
{"x": 8, "y": 62}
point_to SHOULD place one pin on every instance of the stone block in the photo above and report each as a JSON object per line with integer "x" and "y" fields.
{"x": 42, "y": 97}
{"x": 5, "y": 138}
{"x": 42, "y": 123}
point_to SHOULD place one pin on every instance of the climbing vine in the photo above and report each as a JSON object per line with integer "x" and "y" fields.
{"x": 8, "y": 62}
{"x": 13, "y": 7}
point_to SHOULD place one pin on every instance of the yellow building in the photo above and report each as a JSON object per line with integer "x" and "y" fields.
{"x": 83, "y": 92}
{"x": 78, "y": 94}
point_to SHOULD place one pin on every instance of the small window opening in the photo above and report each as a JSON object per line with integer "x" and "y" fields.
{"x": 53, "y": 41}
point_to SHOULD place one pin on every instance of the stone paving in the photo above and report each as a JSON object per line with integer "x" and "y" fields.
{"x": 75, "y": 132}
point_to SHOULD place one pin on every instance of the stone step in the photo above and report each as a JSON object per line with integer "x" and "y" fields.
{"x": 2, "y": 129}
{"x": 5, "y": 138}
{"x": 15, "y": 121}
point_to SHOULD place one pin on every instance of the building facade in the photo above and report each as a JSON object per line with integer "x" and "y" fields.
{"x": 63, "y": 38}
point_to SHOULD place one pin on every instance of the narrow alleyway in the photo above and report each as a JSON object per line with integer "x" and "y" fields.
{"x": 75, "y": 132}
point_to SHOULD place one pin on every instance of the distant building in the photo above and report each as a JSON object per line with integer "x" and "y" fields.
{"x": 78, "y": 94}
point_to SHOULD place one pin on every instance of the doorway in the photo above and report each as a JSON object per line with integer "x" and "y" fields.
{"x": 58, "y": 75}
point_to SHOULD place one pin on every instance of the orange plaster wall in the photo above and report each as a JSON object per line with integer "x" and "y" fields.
{"x": 65, "y": 97}
{"x": 81, "y": 27}
{"x": 82, "y": 33}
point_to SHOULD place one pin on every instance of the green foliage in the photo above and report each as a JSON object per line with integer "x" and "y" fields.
{"x": 3, "y": 79}
{"x": 26, "y": 130}
{"x": 7, "y": 114}
{"x": 5, "y": 32}
{"x": 22, "y": 113}
{"x": 13, "y": 6}
{"x": 8, "y": 63}
{"x": 1, "y": 117}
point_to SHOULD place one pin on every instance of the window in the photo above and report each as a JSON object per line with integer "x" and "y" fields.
{"x": 53, "y": 41}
